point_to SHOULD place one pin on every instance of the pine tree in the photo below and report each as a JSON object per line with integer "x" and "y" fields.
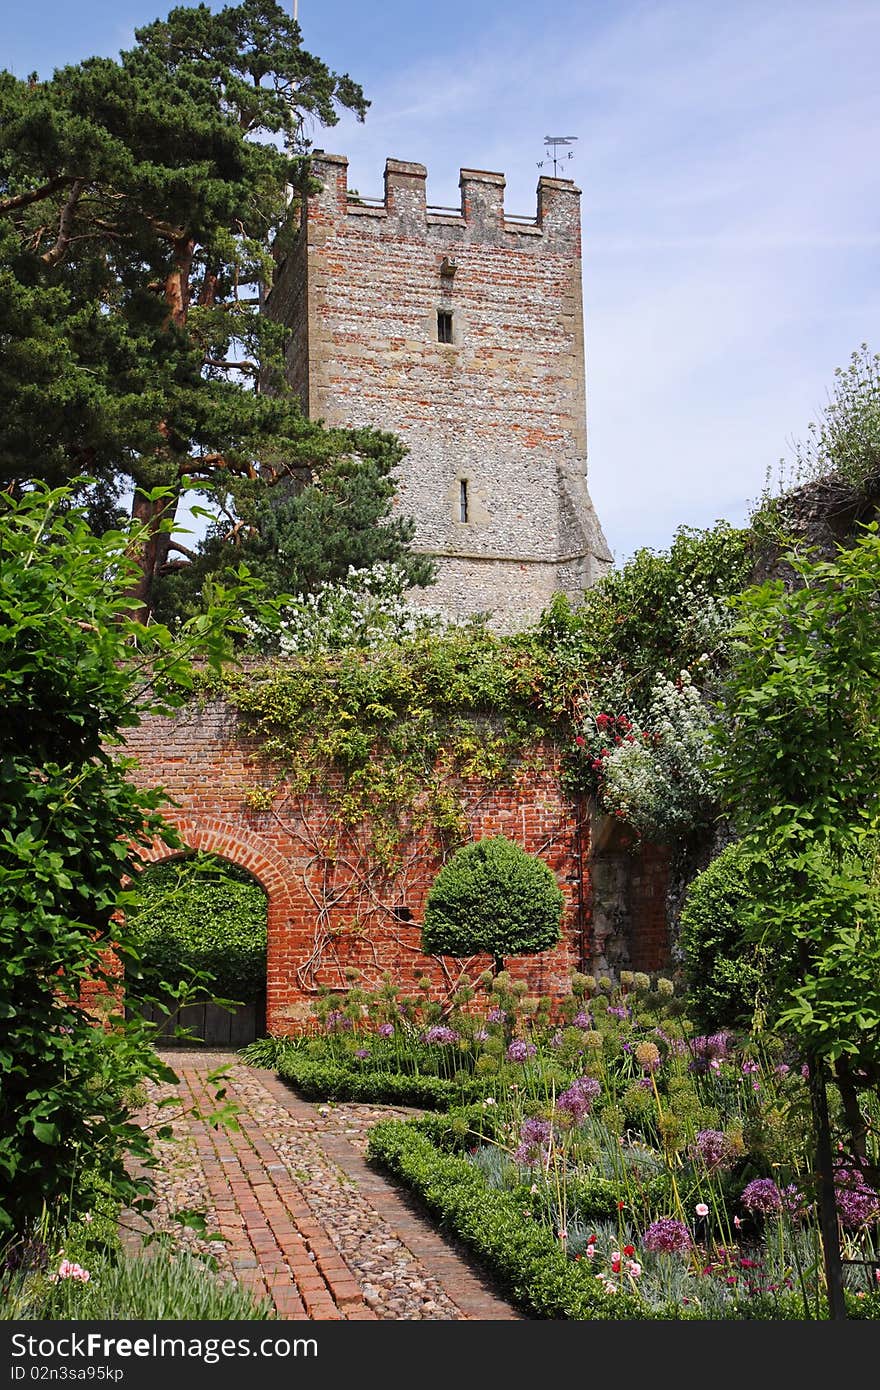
{"x": 141, "y": 202}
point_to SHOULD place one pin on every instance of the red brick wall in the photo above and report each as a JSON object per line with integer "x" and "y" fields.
{"x": 330, "y": 908}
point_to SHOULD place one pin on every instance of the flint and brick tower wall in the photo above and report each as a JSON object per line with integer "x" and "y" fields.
{"x": 495, "y": 420}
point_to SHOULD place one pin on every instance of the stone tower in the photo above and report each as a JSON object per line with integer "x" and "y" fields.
{"x": 461, "y": 331}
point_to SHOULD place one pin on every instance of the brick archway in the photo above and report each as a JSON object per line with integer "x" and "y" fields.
{"x": 271, "y": 870}
{"x": 239, "y": 846}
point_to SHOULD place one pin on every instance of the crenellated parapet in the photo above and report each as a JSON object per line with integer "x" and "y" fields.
{"x": 479, "y": 219}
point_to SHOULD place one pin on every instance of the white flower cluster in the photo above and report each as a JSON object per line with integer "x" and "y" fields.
{"x": 661, "y": 782}
{"x": 368, "y": 609}
{"x": 704, "y": 618}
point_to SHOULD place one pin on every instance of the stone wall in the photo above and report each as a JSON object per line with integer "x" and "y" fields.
{"x": 495, "y": 419}
{"x": 330, "y": 908}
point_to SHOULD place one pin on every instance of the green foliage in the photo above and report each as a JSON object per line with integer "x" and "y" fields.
{"x": 522, "y": 1254}
{"x": 327, "y": 1080}
{"x": 143, "y": 202}
{"x": 202, "y": 915}
{"x": 801, "y": 756}
{"x": 492, "y": 896}
{"x": 75, "y": 672}
{"x": 402, "y": 731}
{"x": 728, "y": 976}
{"x": 844, "y": 443}
{"x": 659, "y": 614}
{"x": 170, "y": 1286}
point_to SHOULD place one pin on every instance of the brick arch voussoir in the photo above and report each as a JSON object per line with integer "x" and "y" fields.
{"x": 241, "y": 847}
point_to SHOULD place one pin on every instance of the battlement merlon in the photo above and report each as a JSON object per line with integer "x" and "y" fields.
{"x": 481, "y": 217}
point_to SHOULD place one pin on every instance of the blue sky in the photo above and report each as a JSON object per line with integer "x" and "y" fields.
{"x": 731, "y": 191}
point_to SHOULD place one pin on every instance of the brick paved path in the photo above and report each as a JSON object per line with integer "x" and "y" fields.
{"x": 304, "y": 1219}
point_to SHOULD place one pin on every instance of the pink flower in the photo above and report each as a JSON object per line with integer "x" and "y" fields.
{"x": 701, "y": 1209}
{"x": 68, "y": 1270}
{"x": 590, "y": 1253}
{"x": 634, "y": 1269}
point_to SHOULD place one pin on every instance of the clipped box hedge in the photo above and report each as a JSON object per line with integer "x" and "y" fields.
{"x": 328, "y": 1080}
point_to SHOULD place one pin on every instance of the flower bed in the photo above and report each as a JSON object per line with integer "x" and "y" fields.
{"x": 675, "y": 1167}
{"x": 534, "y": 1265}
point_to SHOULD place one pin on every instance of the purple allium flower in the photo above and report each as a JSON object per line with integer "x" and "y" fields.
{"x": 557, "y": 1040}
{"x": 362, "y": 1052}
{"x": 496, "y": 1016}
{"x": 713, "y": 1147}
{"x": 577, "y": 1101}
{"x": 857, "y": 1203}
{"x": 782, "y": 1069}
{"x": 582, "y": 1020}
{"x": 763, "y": 1196}
{"x": 795, "y": 1202}
{"x": 481, "y": 1035}
{"x": 535, "y": 1131}
{"x": 520, "y": 1050}
{"x": 715, "y": 1045}
{"x": 618, "y": 1011}
{"x": 385, "y": 1030}
{"x": 439, "y": 1033}
{"x": 337, "y": 1022}
{"x": 668, "y": 1236}
{"x": 749, "y": 1068}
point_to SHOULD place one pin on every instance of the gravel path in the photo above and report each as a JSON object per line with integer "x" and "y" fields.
{"x": 293, "y": 1211}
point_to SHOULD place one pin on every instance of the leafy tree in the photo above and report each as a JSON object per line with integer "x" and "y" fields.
{"x": 139, "y": 200}
{"x": 492, "y": 896}
{"x": 728, "y": 976}
{"x": 298, "y": 541}
{"x": 75, "y": 672}
{"x": 801, "y": 766}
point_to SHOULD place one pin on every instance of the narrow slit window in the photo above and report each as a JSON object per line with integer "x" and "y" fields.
{"x": 444, "y": 325}
{"x": 463, "y": 500}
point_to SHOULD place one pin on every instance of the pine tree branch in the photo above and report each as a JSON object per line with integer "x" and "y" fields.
{"x": 34, "y": 195}
{"x": 65, "y": 223}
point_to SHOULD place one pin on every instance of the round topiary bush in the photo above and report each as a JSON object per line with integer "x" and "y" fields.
{"x": 203, "y": 913}
{"x": 727, "y": 975}
{"x": 492, "y": 897}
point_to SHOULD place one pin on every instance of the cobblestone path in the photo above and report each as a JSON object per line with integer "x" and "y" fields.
{"x": 294, "y": 1212}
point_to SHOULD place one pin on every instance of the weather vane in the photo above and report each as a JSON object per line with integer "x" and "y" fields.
{"x": 554, "y": 142}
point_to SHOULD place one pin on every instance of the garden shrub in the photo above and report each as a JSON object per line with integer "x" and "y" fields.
{"x": 73, "y": 825}
{"x": 203, "y": 914}
{"x": 492, "y": 897}
{"x": 725, "y": 972}
{"x": 320, "y": 1080}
